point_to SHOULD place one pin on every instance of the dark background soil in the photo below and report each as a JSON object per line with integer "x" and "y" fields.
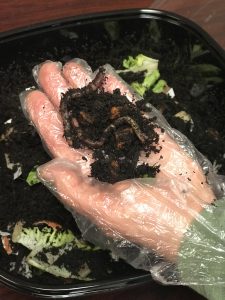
{"x": 110, "y": 42}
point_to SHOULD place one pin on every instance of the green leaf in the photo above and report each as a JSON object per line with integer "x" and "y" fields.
{"x": 46, "y": 237}
{"x": 32, "y": 177}
{"x": 140, "y": 63}
{"x": 139, "y": 88}
{"x": 151, "y": 79}
{"x": 159, "y": 87}
{"x": 206, "y": 68}
{"x": 59, "y": 271}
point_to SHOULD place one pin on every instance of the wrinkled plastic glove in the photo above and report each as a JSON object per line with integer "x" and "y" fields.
{"x": 133, "y": 218}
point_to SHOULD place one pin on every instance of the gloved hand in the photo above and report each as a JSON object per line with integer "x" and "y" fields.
{"x": 132, "y": 218}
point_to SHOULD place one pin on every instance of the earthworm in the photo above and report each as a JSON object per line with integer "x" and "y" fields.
{"x": 73, "y": 94}
{"x": 97, "y": 82}
{"x": 66, "y": 116}
{"x": 96, "y": 144}
{"x": 112, "y": 128}
{"x": 140, "y": 135}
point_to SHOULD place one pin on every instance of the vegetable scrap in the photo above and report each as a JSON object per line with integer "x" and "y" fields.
{"x": 7, "y": 244}
{"x": 48, "y": 242}
{"x": 32, "y": 177}
{"x": 151, "y": 80}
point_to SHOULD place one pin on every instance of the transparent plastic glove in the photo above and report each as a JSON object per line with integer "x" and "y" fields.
{"x": 152, "y": 213}
{"x": 133, "y": 218}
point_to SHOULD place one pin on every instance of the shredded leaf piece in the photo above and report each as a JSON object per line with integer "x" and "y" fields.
{"x": 32, "y": 177}
{"x": 151, "y": 80}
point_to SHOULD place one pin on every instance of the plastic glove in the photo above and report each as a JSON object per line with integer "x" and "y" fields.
{"x": 135, "y": 217}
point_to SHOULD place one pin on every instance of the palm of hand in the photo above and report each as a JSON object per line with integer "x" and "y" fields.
{"x": 154, "y": 214}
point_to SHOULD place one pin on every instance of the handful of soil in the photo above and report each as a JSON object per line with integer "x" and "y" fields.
{"x": 113, "y": 127}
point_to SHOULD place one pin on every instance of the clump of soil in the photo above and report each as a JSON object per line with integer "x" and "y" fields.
{"x": 113, "y": 127}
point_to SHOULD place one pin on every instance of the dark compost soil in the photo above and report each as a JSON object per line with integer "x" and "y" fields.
{"x": 199, "y": 91}
{"x": 113, "y": 127}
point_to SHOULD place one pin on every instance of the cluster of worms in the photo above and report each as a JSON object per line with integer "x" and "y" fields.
{"x": 113, "y": 127}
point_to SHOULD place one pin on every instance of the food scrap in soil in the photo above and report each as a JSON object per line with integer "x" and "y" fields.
{"x": 113, "y": 127}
